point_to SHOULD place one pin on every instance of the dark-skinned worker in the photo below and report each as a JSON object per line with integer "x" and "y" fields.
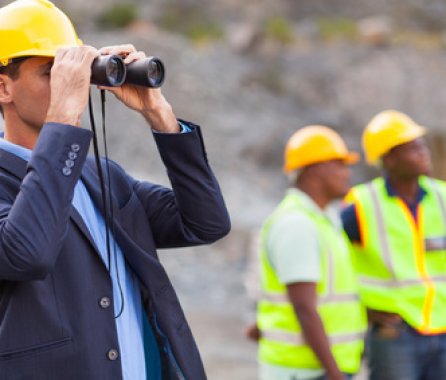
{"x": 310, "y": 320}
{"x": 398, "y": 224}
{"x": 67, "y": 311}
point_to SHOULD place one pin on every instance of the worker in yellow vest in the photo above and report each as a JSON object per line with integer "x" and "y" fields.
{"x": 310, "y": 319}
{"x": 398, "y": 225}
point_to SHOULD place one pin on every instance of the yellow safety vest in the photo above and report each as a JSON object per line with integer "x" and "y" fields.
{"x": 401, "y": 262}
{"x": 282, "y": 342}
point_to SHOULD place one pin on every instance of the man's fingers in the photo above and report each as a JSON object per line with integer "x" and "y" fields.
{"x": 89, "y": 54}
{"x": 118, "y": 49}
{"x": 60, "y": 53}
{"x": 83, "y": 54}
{"x": 135, "y": 56}
{"x": 79, "y": 54}
{"x": 128, "y": 52}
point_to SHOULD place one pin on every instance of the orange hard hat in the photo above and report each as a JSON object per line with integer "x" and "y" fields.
{"x": 313, "y": 144}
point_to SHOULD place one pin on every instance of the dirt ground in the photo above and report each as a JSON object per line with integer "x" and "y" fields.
{"x": 211, "y": 285}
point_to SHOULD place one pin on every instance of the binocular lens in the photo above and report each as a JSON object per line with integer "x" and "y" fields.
{"x": 155, "y": 72}
{"x": 115, "y": 71}
{"x": 110, "y": 71}
{"x": 148, "y": 72}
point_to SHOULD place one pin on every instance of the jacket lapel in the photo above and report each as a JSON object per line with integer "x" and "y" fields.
{"x": 79, "y": 222}
{"x": 91, "y": 181}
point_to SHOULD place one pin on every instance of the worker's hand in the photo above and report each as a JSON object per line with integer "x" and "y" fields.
{"x": 70, "y": 83}
{"x": 252, "y": 332}
{"x": 150, "y": 102}
{"x": 336, "y": 375}
{"x": 382, "y": 318}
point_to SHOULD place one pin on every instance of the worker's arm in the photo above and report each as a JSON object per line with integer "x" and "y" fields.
{"x": 351, "y": 224}
{"x": 303, "y": 297}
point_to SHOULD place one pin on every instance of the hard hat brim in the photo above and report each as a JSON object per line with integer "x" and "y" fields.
{"x": 39, "y": 52}
{"x": 414, "y": 133}
{"x": 51, "y": 52}
{"x": 352, "y": 158}
{"x": 35, "y": 53}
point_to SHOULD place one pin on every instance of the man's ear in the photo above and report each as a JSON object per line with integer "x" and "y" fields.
{"x": 5, "y": 89}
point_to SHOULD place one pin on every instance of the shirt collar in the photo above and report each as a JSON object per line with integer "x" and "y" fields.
{"x": 20, "y": 151}
{"x": 331, "y": 212}
{"x": 391, "y": 192}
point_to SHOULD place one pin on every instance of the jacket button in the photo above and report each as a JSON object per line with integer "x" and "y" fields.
{"x": 69, "y": 163}
{"x": 66, "y": 171}
{"x": 72, "y": 155}
{"x": 105, "y": 302}
{"x": 75, "y": 148}
{"x": 113, "y": 354}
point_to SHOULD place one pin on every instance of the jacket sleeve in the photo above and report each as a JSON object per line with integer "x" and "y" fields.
{"x": 33, "y": 224}
{"x": 194, "y": 211}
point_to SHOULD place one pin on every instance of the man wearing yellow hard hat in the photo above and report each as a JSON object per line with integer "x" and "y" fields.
{"x": 397, "y": 223}
{"x": 84, "y": 296}
{"x": 310, "y": 320}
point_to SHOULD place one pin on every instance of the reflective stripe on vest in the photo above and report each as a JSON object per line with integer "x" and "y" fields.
{"x": 414, "y": 276}
{"x": 283, "y": 298}
{"x": 299, "y": 340}
{"x": 398, "y": 283}
{"x": 329, "y": 296}
{"x": 385, "y": 249}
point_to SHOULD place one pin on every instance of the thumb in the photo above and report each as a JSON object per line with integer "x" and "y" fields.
{"x": 113, "y": 90}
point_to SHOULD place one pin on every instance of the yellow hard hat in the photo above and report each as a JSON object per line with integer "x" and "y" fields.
{"x": 313, "y": 144}
{"x": 386, "y": 130}
{"x": 34, "y": 28}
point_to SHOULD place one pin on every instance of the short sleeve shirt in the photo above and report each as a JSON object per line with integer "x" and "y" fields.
{"x": 294, "y": 248}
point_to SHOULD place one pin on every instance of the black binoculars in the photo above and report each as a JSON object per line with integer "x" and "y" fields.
{"x": 111, "y": 71}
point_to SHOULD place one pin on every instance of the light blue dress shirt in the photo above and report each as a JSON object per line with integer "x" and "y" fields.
{"x": 130, "y": 323}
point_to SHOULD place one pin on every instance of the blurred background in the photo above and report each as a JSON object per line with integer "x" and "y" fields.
{"x": 250, "y": 73}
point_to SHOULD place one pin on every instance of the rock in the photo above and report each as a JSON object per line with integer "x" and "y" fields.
{"x": 142, "y": 28}
{"x": 307, "y": 30}
{"x": 376, "y": 31}
{"x": 242, "y": 38}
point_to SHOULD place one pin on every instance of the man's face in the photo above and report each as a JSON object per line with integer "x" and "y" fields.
{"x": 30, "y": 91}
{"x": 335, "y": 177}
{"x": 410, "y": 160}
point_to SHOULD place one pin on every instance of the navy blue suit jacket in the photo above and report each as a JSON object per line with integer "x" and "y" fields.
{"x": 52, "y": 323}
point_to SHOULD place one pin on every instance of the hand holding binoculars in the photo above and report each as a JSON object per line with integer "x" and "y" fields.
{"x": 111, "y": 71}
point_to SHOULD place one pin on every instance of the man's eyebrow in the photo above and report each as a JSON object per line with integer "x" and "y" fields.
{"x": 46, "y": 66}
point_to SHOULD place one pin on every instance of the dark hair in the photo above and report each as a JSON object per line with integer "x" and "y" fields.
{"x": 12, "y": 71}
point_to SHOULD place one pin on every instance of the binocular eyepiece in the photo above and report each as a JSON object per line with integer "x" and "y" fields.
{"x": 111, "y": 71}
